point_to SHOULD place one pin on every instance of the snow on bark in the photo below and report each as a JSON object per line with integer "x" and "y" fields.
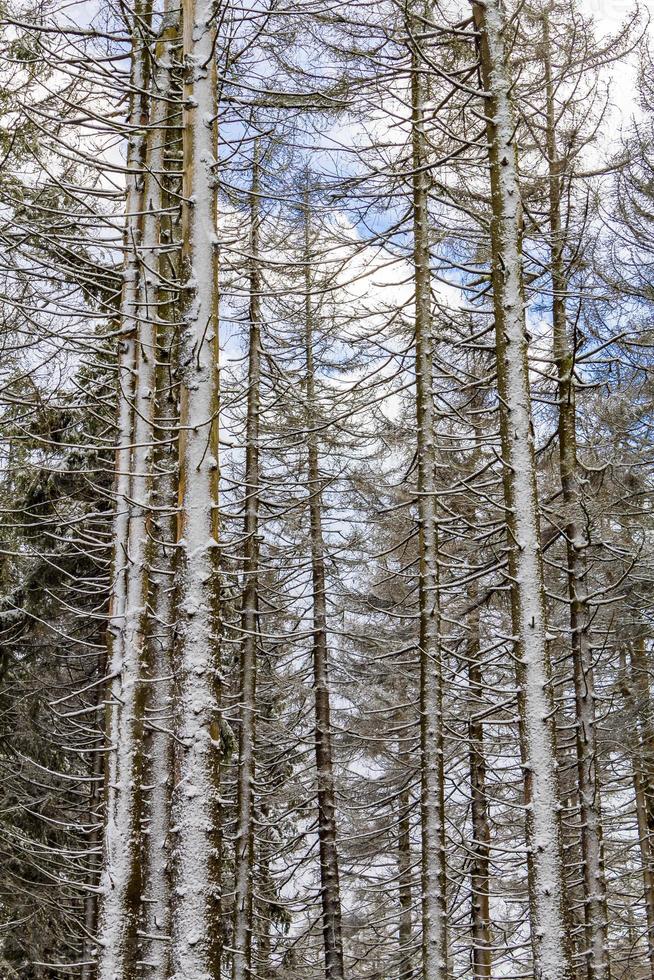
{"x": 404, "y": 864}
{"x": 482, "y": 952}
{"x": 244, "y": 857}
{"x": 158, "y": 718}
{"x": 158, "y": 722}
{"x": 550, "y": 941}
{"x": 119, "y": 885}
{"x": 194, "y": 947}
{"x": 434, "y": 931}
{"x": 595, "y": 907}
{"x": 327, "y": 831}
{"x": 643, "y": 774}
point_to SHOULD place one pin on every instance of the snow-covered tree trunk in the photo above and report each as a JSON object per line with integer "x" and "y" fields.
{"x": 120, "y": 882}
{"x": 595, "y": 910}
{"x": 327, "y": 837}
{"x": 549, "y": 934}
{"x": 482, "y": 956}
{"x": 161, "y": 266}
{"x": 434, "y": 930}
{"x": 644, "y": 778}
{"x": 196, "y": 939}
{"x": 480, "y": 847}
{"x": 265, "y": 886}
{"x": 244, "y": 857}
{"x": 647, "y": 863}
{"x": 88, "y": 970}
{"x": 404, "y": 866}
{"x": 159, "y": 724}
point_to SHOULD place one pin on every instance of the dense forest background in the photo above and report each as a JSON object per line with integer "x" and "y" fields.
{"x": 326, "y": 471}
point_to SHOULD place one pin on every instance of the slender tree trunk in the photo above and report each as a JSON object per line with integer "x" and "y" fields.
{"x": 120, "y": 883}
{"x": 196, "y": 937}
{"x": 434, "y": 931}
{"x": 645, "y": 854}
{"x": 264, "y": 895}
{"x": 480, "y": 864}
{"x": 159, "y": 724}
{"x": 88, "y": 971}
{"x": 244, "y": 858}
{"x": 549, "y": 933}
{"x": 328, "y": 844}
{"x": 404, "y": 881}
{"x": 482, "y": 939}
{"x": 644, "y": 779}
{"x": 161, "y": 308}
{"x": 595, "y": 910}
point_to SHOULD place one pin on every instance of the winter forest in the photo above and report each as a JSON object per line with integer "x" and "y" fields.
{"x": 326, "y": 483}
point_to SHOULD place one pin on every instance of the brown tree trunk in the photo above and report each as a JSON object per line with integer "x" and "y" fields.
{"x": 595, "y": 910}
{"x": 328, "y": 845}
{"x": 88, "y": 971}
{"x": 244, "y": 858}
{"x": 644, "y": 778}
{"x": 480, "y": 864}
{"x": 405, "y": 932}
{"x": 434, "y": 901}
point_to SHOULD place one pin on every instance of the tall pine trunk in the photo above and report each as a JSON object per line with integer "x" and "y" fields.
{"x": 644, "y": 778}
{"x": 482, "y": 939}
{"x": 196, "y": 938}
{"x": 480, "y": 850}
{"x": 88, "y": 970}
{"x": 244, "y": 857}
{"x": 434, "y": 931}
{"x": 161, "y": 273}
{"x": 405, "y": 932}
{"x": 327, "y": 838}
{"x": 120, "y": 902}
{"x": 552, "y": 959}
{"x": 595, "y": 910}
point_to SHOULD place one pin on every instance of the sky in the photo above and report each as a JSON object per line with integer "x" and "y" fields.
{"x": 608, "y": 15}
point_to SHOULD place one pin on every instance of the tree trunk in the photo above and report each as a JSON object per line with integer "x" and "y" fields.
{"x": 644, "y": 779}
{"x": 88, "y": 971}
{"x": 120, "y": 882}
{"x": 264, "y": 890}
{"x": 328, "y": 845}
{"x": 480, "y": 864}
{"x": 244, "y": 857}
{"x": 265, "y": 895}
{"x": 161, "y": 307}
{"x": 196, "y": 938}
{"x": 434, "y": 932}
{"x": 404, "y": 882}
{"x": 549, "y": 933}
{"x": 595, "y": 910}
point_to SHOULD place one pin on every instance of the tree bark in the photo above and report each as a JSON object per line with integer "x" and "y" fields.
{"x": 405, "y": 891}
{"x": 161, "y": 273}
{"x": 482, "y": 958}
{"x": 434, "y": 931}
{"x": 196, "y": 937}
{"x": 595, "y": 909}
{"x": 328, "y": 844}
{"x": 120, "y": 884}
{"x": 88, "y": 971}
{"x": 552, "y": 959}
{"x": 644, "y": 779}
{"x": 244, "y": 857}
